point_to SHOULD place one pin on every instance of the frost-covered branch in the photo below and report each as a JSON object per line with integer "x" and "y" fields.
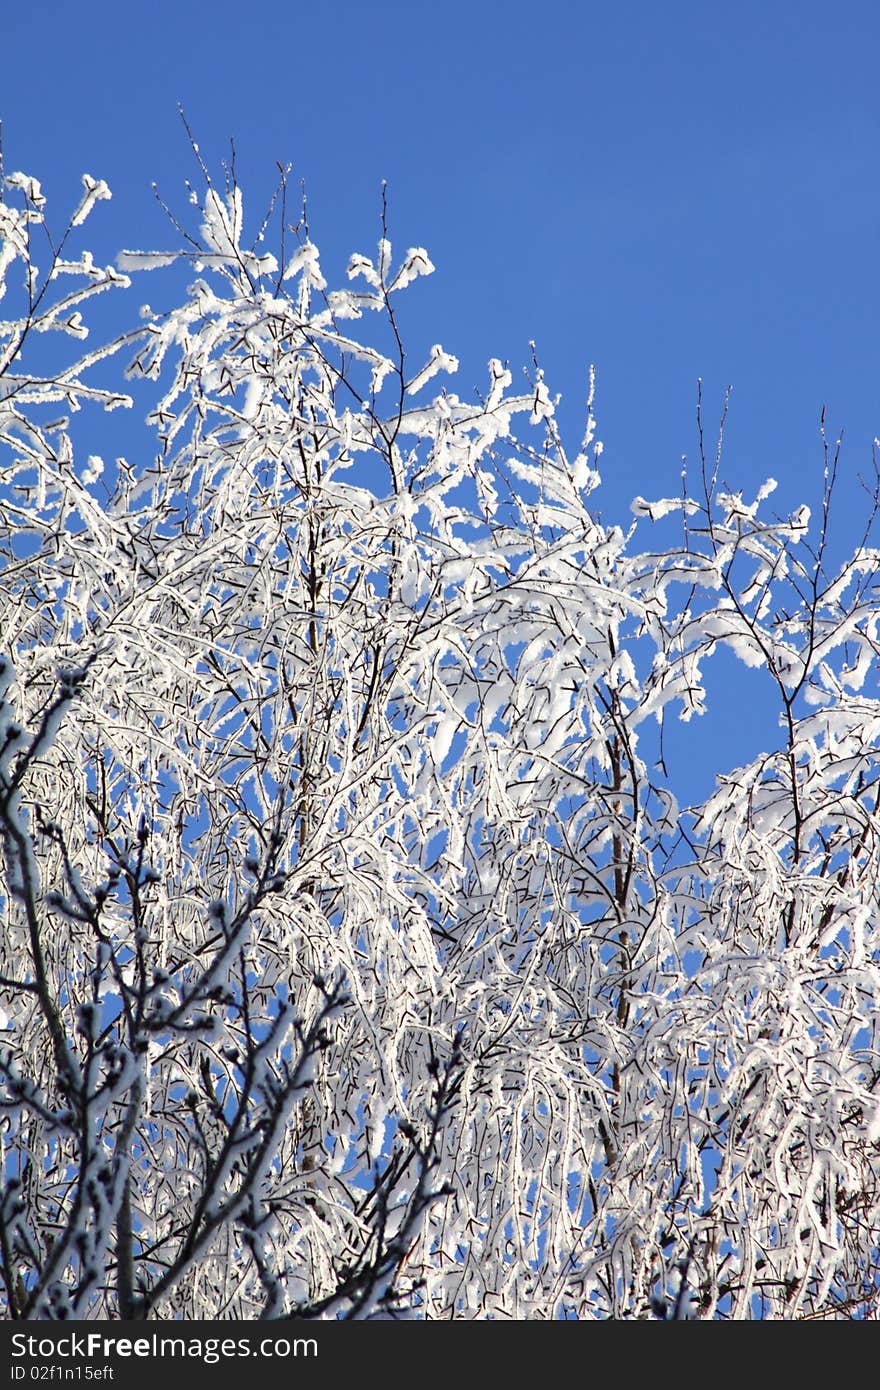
{"x": 332, "y": 735}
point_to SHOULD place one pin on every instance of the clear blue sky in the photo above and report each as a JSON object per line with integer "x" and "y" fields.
{"x": 667, "y": 190}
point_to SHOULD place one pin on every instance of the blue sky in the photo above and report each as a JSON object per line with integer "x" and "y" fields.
{"x": 669, "y": 191}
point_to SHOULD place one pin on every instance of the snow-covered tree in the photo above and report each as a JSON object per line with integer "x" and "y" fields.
{"x": 357, "y": 958}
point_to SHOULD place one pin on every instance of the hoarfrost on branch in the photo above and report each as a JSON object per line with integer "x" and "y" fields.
{"x": 357, "y": 958}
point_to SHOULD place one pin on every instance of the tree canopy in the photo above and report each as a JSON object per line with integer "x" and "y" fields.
{"x": 357, "y": 957}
